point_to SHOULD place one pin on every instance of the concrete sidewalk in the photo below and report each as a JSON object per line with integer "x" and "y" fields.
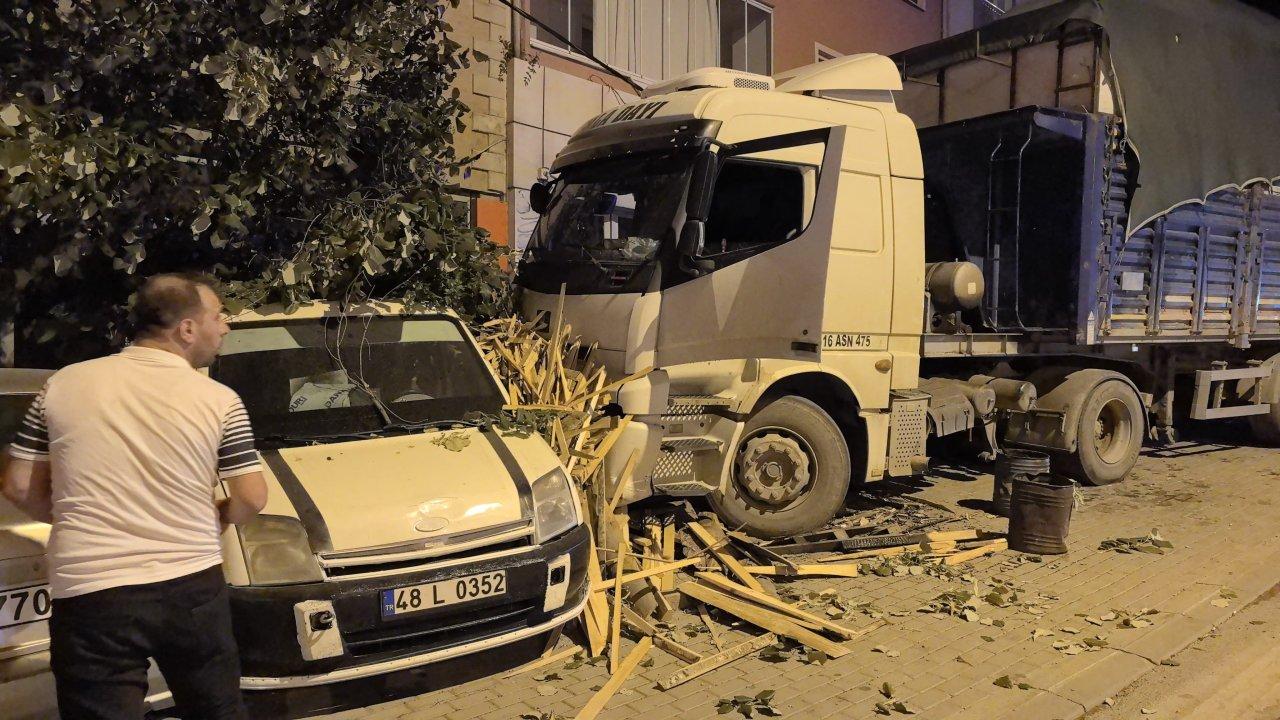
{"x": 1215, "y": 503}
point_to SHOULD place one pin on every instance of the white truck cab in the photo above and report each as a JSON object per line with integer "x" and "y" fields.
{"x": 775, "y": 223}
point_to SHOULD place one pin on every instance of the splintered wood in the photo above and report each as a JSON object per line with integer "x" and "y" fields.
{"x": 635, "y": 574}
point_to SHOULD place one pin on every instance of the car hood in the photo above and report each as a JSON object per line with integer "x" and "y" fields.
{"x": 389, "y": 491}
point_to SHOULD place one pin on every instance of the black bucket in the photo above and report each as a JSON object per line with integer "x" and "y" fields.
{"x": 1015, "y": 465}
{"x": 1040, "y": 515}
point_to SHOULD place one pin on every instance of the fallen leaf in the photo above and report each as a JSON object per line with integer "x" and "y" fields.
{"x": 1220, "y": 602}
{"x": 1004, "y": 682}
{"x": 1070, "y": 630}
{"x": 886, "y": 690}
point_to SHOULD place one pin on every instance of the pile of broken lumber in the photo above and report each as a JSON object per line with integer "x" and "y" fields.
{"x": 651, "y": 563}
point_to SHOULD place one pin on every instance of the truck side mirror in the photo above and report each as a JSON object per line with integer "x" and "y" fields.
{"x": 540, "y": 197}
{"x": 689, "y": 249}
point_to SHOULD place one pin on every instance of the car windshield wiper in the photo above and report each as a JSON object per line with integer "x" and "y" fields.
{"x": 320, "y": 437}
{"x": 427, "y": 424}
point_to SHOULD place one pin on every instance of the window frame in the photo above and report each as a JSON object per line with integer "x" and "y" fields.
{"x": 759, "y": 5}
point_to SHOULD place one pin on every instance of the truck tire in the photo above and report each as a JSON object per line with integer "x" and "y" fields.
{"x": 790, "y": 471}
{"x": 1109, "y": 437}
{"x": 1266, "y": 427}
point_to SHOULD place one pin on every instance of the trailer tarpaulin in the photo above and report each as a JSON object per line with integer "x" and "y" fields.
{"x": 1199, "y": 83}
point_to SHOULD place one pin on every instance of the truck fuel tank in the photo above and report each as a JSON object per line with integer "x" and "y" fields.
{"x": 954, "y": 285}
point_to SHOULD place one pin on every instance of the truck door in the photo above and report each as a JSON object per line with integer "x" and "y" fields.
{"x": 766, "y": 246}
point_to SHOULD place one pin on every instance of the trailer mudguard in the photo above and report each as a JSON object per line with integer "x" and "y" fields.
{"x": 1055, "y": 420}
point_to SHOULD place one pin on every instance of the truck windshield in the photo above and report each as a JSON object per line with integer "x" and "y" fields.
{"x": 612, "y": 211}
{"x": 314, "y": 377}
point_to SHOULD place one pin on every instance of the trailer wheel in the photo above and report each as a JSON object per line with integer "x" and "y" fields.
{"x": 1109, "y": 435}
{"x": 790, "y": 471}
{"x": 1266, "y": 427}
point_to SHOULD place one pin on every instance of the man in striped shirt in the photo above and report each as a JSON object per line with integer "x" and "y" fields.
{"x": 140, "y": 461}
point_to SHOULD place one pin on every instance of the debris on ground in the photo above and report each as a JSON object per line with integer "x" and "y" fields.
{"x": 1151, "y": 543}
{"x": 647, "y": 565}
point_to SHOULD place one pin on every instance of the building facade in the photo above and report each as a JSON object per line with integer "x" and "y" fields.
{"x": 549, "y": 87}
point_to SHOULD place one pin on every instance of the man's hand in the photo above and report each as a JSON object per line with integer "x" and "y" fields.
{"x": 27, "y": 484}
{"x": 246, "y": 496}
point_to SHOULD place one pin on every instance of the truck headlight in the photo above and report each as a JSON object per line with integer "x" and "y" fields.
{"x": 276, "y": 551}
{"x": 555, "y": 506}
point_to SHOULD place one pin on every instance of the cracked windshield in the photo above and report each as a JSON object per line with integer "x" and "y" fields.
{"x": 615, "y": 211}
{"x": 333, "y": 376}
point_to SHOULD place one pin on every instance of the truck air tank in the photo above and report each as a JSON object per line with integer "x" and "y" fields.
{"x": 1010, "y": 394}
{"x": 954, "y": 285}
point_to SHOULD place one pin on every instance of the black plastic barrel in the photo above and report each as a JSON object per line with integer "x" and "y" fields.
{"x": 1040, "y": 515}
{"x": 1015, "y": 464}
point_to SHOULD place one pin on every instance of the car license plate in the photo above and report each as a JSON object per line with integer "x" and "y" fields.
{"x": 399, "y": 601}
{"x": 25, "y": 605}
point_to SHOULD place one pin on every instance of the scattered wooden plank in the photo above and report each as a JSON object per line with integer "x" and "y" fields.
{"x": 711, "y": 627}
{"x": 718, "y": 660}
{"x": 595, "y": 615}
{"x": 615, "y": 628}
{"x": 667, "y": 645}
{"x": 667, "y": 580}
{"x": 771, "y": 620}
{"x": 544, "y": 661}
{"x": 623, "y": 480}
{"x": 606, "y": 692}
{"x": 832, "y": 570}
{"x": 642, "y": 574}
{"x": 605, "y": 445}
{"x": 967, "y": 555}
{"x": 773, "y": 603}
{"x": 730, "y": 564}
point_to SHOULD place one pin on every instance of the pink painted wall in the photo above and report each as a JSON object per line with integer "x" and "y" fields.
{"x": 850, "y": 26}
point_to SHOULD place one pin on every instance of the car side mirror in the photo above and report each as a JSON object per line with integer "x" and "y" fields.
{"x": 540, "y": 197}
{"x": 689, "y": 249}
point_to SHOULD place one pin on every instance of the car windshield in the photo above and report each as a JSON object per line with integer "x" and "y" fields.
{"x": 306, "y": 378}
{"x": 612, "y": 211}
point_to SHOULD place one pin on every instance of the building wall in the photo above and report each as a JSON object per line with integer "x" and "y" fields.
{"x": 483, "y": 25}
{"x": 850, "y": 26}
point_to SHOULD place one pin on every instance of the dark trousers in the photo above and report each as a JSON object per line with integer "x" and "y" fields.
{"x": 100, "y": 643}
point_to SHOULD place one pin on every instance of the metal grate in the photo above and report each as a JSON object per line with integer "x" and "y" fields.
{"x": 908, "y": 430}
{"x": 750, "y": 84}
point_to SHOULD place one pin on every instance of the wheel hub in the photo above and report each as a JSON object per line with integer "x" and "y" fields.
{"x": 773, "y": 469}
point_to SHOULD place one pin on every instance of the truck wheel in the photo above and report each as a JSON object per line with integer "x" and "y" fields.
{"x": 790, "y": 471}
{"x": 1266, "y": 427}
{"x": 1109, "y": 437}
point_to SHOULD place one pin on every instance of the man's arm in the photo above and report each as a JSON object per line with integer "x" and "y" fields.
{"x": 27, "y": 478}
{"x": 27, "y": 485}
{"x": 240, "y": 469}
{"x": 246, "y": 496}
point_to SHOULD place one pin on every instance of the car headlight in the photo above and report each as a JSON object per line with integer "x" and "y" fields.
{"x": 555, "y": 505}
{"x": 276, "y": 551}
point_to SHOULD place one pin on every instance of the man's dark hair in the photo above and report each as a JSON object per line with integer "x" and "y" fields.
{"x": 165, "y": 300}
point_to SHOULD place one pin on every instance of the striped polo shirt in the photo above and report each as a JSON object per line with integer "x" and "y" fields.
{"x": 136, "y": 441}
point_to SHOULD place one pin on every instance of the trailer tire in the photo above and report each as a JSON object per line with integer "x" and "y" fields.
{"x": 790, "y": 471}
{"x": 1109, "y": 437}
{"x": 1266, "y": 427}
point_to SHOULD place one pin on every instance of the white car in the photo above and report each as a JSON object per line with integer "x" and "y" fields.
{"x": 397, "y": 532}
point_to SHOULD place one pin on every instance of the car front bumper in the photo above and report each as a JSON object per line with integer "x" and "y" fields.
{"x": 271, "y": 642}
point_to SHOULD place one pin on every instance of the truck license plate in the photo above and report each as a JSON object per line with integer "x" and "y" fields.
{"x": 25, "y": 605}
{"x": 399, "y": 601}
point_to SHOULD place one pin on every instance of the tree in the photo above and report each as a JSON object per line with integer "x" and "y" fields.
{"x": 294, "y": 149}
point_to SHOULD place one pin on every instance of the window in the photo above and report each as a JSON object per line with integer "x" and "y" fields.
{"x": 966, "y": 15}
{"x": 573, "y": 19}
{"x": 822, "y": 52}
{"x": 746, "y": 36}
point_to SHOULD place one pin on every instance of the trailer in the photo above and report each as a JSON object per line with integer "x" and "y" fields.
{"x": 1005, "y": 238}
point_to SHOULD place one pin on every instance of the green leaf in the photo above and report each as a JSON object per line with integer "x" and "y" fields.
{"x": 886, "y": 690}
{"x": 1004, "y": 682}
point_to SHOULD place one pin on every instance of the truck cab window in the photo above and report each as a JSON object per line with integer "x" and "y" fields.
{"x": 756, "y": 205}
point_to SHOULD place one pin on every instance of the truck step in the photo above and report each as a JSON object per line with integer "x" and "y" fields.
{"x": 674, "y": 472}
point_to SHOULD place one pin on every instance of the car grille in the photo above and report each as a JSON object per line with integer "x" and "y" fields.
{"x": 343, "y": 572}
{"x": 435, "y": 552}
{"x": 446, "y": 631}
